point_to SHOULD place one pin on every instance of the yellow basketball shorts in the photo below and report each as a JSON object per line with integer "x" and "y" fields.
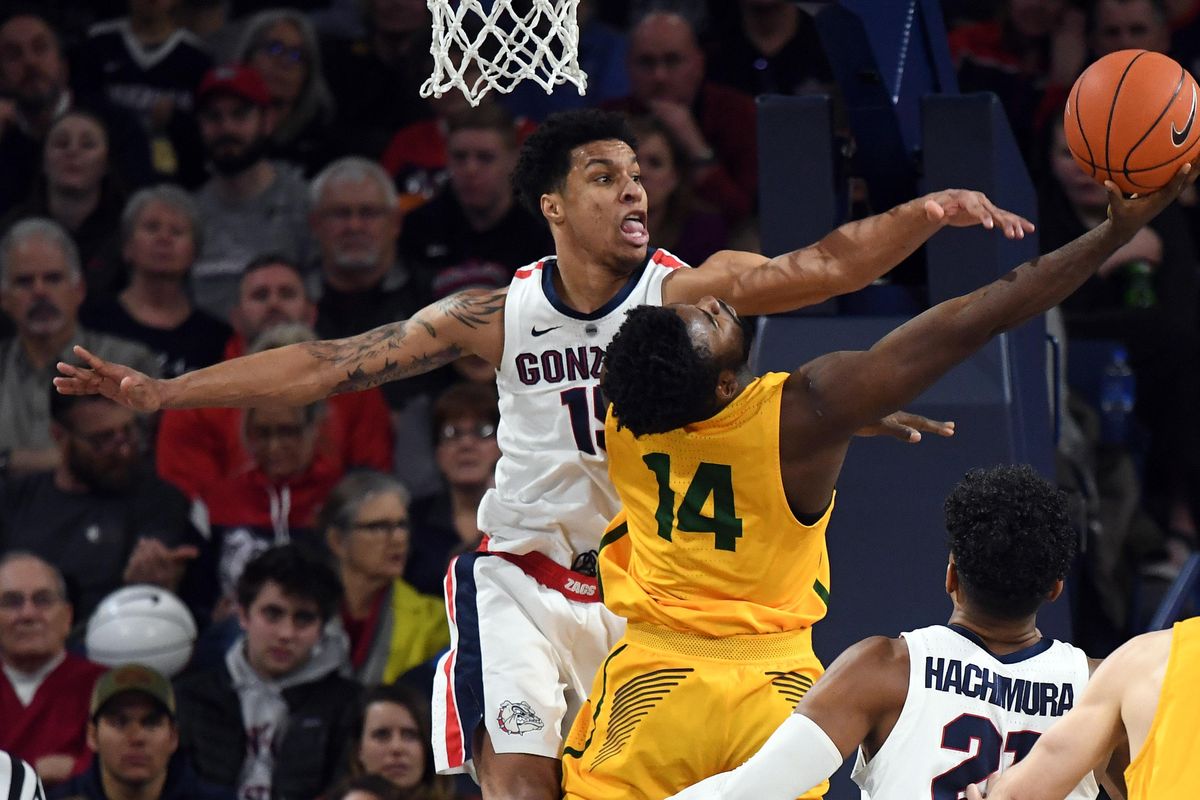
{"x": 668, "y": 709}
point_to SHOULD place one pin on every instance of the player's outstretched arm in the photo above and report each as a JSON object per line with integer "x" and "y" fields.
{"x": 467, "y": 322}
{"x": 843, "y": 391}
{"x": 865, "y": 686}
{"x": 844, "y": 261}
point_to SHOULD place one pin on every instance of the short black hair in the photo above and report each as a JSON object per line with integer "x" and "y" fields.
{"x": 487, "y": 117}
{"x": 1011, "y": 538}
{"x": 298, "y": 572}
{"x": 275, "y": 259}
{"x": 545, "y": 156}
{"x": 655, "y": 376}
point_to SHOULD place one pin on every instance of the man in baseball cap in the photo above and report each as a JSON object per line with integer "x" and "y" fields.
{"x": 132, "y": 678}
{"x": 236, "y": 80}
{"x": 133, "y": 732}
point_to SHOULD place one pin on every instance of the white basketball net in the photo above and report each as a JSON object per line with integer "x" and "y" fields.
{"x": 541, "y": 44}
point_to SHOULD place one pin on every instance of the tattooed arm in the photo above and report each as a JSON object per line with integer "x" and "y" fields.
{"x": 467, "y": 322}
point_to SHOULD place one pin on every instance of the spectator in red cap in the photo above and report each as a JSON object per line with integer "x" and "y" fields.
{"x": 251, "y": 205}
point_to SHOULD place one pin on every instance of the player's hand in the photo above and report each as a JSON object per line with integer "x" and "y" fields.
{"x": 123, "y": 384}
{"x": 707, "y": 789}
{"x": 973, "y": 793}
{"x": 906, "y": 427}
{"x": 963, "y": 208}
{"x": 153, "y": 562}
{"x": 1130, "y": 214}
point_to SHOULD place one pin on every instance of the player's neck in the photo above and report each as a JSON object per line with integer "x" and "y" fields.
{"x": 584, "y": 283}
{"x": 1001, "y": 636}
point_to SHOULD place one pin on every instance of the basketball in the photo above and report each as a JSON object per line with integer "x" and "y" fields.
{"x": 141, "y": 625}
{"x": 1131, "y": 119}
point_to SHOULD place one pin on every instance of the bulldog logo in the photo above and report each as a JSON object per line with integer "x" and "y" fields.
{"x": 518, "y": 718}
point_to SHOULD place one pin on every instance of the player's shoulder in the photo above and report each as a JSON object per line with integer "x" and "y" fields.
{"x": 1145, "y": 648}
{"x": 1141, "y": 656}
{"x": 876, "y": 670}
{"x": 875, "y": 656}
{"x": 881, "y": 649}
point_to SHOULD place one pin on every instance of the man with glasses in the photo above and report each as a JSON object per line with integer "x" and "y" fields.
{"x": 271, "y": 720}
{"x": 44, "y": 690}
{"x": 41, "y": 289}
{"x": 101, "y": 516}
{"x": 251, "y": 205}
{"x": 356, "y": 219}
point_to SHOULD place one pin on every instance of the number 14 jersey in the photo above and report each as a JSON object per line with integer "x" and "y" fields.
{"x": 971, "y": 714}
{"x": 710, "y": 545}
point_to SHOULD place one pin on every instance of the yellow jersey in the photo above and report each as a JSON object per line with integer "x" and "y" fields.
{"x": 705, "y": 542}
{"x": 1167, "y": 765}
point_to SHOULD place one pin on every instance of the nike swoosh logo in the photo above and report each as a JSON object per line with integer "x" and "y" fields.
{"x": 536, "y": 332}
{"x": 1179, "y": 137}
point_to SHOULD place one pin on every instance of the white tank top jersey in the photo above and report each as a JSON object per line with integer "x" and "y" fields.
{"x": 970, "y": 714}
{"x": 552, "y": 492}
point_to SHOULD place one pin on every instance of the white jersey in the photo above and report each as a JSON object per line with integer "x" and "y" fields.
{"x": 553, "y": 494}
{"x": 970, "y": 714}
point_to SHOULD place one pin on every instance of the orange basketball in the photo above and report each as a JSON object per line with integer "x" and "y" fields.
{"x": 1131, "y": 119}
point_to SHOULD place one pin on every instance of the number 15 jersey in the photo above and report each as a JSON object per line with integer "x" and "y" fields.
{"x": 552, "y": 493}
{"x": 971, "y": 714}
{"x": 706, "y": 542}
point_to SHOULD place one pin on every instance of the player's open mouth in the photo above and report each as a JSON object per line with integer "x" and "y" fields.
{"x": 633, "y": 228}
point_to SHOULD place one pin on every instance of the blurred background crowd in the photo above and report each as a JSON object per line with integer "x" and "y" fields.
{"x": 186, "y": 181}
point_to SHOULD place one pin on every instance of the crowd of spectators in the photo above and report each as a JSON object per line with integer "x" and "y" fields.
{"x": 187, "y": 181}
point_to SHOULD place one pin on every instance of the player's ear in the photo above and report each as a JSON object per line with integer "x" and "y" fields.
{"x": 727, "y": 386}
{"x": 951, "y": 577}
{"x": 552, "y": 207}
{"x": 1056, "y": 591}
